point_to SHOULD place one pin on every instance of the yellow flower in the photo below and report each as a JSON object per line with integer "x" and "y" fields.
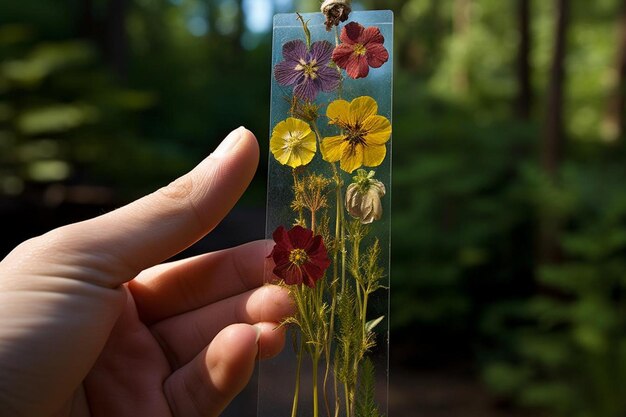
{"x": 293, "y": 142}
{"x": 364, "y": 134}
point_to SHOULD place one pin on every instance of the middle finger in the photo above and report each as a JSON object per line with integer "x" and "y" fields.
{"x": 184, "y": 336}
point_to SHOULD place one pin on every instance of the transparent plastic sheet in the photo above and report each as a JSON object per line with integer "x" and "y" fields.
{"x": 333, "y": 190}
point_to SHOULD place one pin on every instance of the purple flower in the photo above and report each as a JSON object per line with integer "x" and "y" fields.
{"x": 308, "y": 70}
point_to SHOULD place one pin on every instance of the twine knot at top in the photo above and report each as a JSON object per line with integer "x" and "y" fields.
{"x": 336, "y": 11}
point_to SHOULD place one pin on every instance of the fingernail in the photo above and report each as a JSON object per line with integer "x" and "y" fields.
{"x": 258, "y": 332}
{"x": 229, "y": 142}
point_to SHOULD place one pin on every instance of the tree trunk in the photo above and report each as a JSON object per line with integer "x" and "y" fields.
{"x": 86, "y": 21}
{"x": 613, "y": 123}
{"x": 117, "y": 37}
{"x": 553, "y": 144}
{"x": 524, "y": 100}
{"x": 554, "y": 138}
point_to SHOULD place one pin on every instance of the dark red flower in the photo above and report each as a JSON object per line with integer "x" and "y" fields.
{"x": 361, "y": 49}
{"x": 299, "y": 256}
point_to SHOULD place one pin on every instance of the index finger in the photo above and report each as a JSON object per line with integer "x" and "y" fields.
{"x": 120, "y": 244}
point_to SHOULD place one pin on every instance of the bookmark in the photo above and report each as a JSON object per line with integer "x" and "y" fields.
{"x": 328, "y": 212}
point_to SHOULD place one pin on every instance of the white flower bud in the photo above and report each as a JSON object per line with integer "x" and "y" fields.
{"x": 363, "y": 197}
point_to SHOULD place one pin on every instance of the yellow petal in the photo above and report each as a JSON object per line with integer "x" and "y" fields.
{"x": 352, "y": 158}
{"x": 374, "y": 155}
{"x": 332, "y": 148}
{"x": 361, "y": 108}
{"x": 280, "y": 130}
{"x": 282, "y": 156}
{"x": 338, "y": 110}
{"x": 278, "y": 147}
{"x": 378, "y": 130}
{"x": 297, "y": 127}
{"x": 309, "y": 142}
{"x": 303, "y": 158}
{"x": 287, "y": 125}
{"x": 294, "y": 160}
{"x": 304, "y": 153}
{"x": 276, "y": 143}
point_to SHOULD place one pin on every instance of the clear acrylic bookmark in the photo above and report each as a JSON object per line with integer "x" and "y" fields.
{"x": 328, "y": 212}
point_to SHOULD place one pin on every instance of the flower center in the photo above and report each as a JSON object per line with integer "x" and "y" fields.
{"x": 298, "y": 257}
{"x": 355, "y": 135}
{"x": 360, "y": 49}
{"x": 293, "y": 140}
{"x": 309, "y": 68}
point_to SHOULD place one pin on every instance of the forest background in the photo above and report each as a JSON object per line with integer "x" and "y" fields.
{"x": 509, "y": 188}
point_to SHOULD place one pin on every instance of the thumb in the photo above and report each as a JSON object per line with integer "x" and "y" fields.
{"x": 115, "y": 247}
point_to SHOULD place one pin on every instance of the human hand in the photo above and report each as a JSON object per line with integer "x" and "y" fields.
{"x": 89, "y": 326}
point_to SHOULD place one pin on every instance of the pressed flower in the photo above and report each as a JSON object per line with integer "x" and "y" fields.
{"x": 364, "y": 134}
{"x": 307, "y": 69}
{"x": 293, "y": 142}
{"x": 363, "y": 197}
{"x": 300, "y": 257}
{"x": 361, "y": 48}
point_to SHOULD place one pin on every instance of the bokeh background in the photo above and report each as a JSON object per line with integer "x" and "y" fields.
{"x": 509, "y": 190}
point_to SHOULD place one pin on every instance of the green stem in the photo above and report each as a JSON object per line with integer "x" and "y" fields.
{"x": 340, "y": 88}
{"x": 333, "y": 306}
{"x": 306, "y": 327}
{"x": 317, "y": 132}
{"x": 315, "y": 400}
{"x": 346, "y": 392}
{"x": 343, "y": 254}
{"x": 341, "y": 215}
{"x": 355, "y": 259}
{"x": 329, "y": 343}
{"x": 337, "y": 404}
{"x": 327, "y": 350}
{"x": 295, "y": 185}
{"x": 365, "y": 300}
{"x": 294, "y": 408}
{"x": 307, "y": 32}
{"x": 339, "y": 238}
{"x": 333, "y": 290}
{"x": 353, "y": 385}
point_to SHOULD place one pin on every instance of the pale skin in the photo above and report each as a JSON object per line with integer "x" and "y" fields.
{"x": 92, "y": 323}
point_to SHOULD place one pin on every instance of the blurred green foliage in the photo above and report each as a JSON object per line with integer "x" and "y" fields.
{"x": 62, "y": 115}
{"x": 129, "y": 93}
{"x": 565, "y": 345}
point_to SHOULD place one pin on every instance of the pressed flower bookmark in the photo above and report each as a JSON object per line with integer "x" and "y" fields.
{"x": 328, "y": 212}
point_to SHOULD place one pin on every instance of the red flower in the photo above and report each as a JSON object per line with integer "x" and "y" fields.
{"x": 299, "y": 256}
{"x": 361, "y": 48}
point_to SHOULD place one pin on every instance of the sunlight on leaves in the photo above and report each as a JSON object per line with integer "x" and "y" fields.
{"x": 54, "y": 119}
{"x": 48, "y": 171}
{"x": 46, "y": 59}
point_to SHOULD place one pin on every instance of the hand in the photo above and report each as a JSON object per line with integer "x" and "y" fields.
{"x": 90, "y": 327}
